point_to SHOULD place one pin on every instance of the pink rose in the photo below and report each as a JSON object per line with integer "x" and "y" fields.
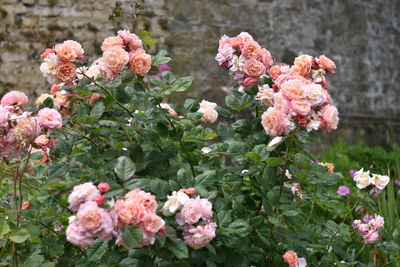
{"x": 49, "y": 118}
{"x": 80, "y": 194}
{"x": 274, "y": 122}
{"x": 326, "y": 63}
{"x": 130, "y": 39}
{"x": 61, "y": 100}
{"x": 147, "y": 200}
{"x": 288, "y": 76}
{"x": 281, "y": 103}
{"x": 315, "y": 94}
{"x": 90, "y": 216}
{"x": 112, "y": 41}
{"x": 300, "y": 107}
{"x": 223, "y": 41}
{"x": 330, "y": 115}
{"x": 27, "y": 129}
{"x": 241, "y": 39}
{"x": 371, "y": 236}
{"x": 76, "y": 234}
{"x": 4, "y": 116}
{"x": 377, "y": 221}
{"x": 210, "y": 115}
{"x": 69, "y": 51}
{"x": 276, "y": 70}
{"x": 44, "y": 153}
{"x": 265, "y": 57}
{"x": 140, "y": 62}
{"x": 290, "y": 257}
{"x": 293, "y": 90}
{"x": 42, "y": 140}
{"x": 152, "y": 223}
{"x": 302, "y": 65}
{"x": 250, "y": 81}
{"x": 115, "y": 58}
{"x": 254, "y": 68}
{"x": 47, "y": 52}
{"x": 76, "y": 47}
{"x": 200, "y": 236}
{"x": 250, "y": 49}
{"x": 66, "y": 71}
{"x": 190, "y": 212}
{"x": 14, "y": 98}
{"x": 100, "y": 200}
{"x": 129, "y": 211}
{"x": 103, "y": 187}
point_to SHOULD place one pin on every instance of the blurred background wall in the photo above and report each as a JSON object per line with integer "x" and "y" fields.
{"x": 361, "y": 36}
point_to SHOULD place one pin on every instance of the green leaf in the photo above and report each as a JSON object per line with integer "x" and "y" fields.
{"x": 290, "y": 213}
{"x": 84, "y": 81}
{"x": 125, "y": 168}
{"x": 97, "y": 250}
{"x": 4, "y": 228}
{"x": 36, "y": 156}
{"x": 160, "y": 58}
{"x": 224, "y": 131}
{"x": 303, "y": 136}
{"x": 274, "y": 162}
{"x": 239, "y": 227}
{"x": 224, "y": 112}
{"x": 191, "y": 105}
{"x": 128, "y": 262}
{"x": 57, "y": 170}
{"x": 132, "y": 236}
{"x": 97, "y": 110}
{"x": 159, "y": 187}
{"x": 19, "y": 235}
{"x": 179, "y": 249}
{"x": 181, "y": 84}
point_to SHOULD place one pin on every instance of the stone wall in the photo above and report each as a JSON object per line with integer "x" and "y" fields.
{"x": 361, "y": 36}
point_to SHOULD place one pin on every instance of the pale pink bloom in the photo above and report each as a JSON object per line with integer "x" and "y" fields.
{"x": 14, "y": 98}
{"x": 129, "y": 211}
{"x": 276, "y": 70}
{"x": 328, "y": 99}
{"x": 300, "y": 107}
{"x": 76, "y": 47}
{"x": 175, "y": 201}
{"x": 377, "y": 221}
{"x": 105, "y": 71}
{"x": 281, "y": 103}
{"x": 254, "y": 68}
{"x": 265, "y": 95}
{"x": 112, "y": 41}
{"x": 293, "y": 90}
{"x": 152, "y": 223}
{"x": 82, "y": 193}
{"x": 274, "y": 122}
{"x": 76, "y": 234}
{"x": 236, "y": 65}
{"x": 330, "y": 115}
{"x": 210, "y": 115}
{"x": 55, "y": 87}
{"x": 301, "y": 262}
{"x": 371, "y": 236}
{"x": 66, "y": 71}
{"x": 4, "y": 116}
{"x": 290, "y": 257}
{"x": 148, "y": 239}
{"x": 103, "y": 187}
{"x": 40, "y": 100}
{"x": 380, "y": 181}
{"x": 356, "y": 223}
{"x": 284, "y": 77}
{"x": 251, "y": 49}
{"x": 265, "y": 57}
{"x": 326, "y": 63}
{"x": 315, "y": 94}
{"x": 66, "y": 52}
{"x": 130, "y": 39}
{"x": 241, "y": 39}
{"x": 194, "y": 209}
{"x": 362, "y": 178}
{"x": 115, "y": 58}
{"x": 250, "y": 81}
{"x": 224, "y": 40}
{"x": 147, "y": 200}
{"x": 42, "y": 140}
{"x": 200, "y": 236}
{"x": 302, "y": 65}
{"x": 225, "y": 53}
{"x": 61, "y": 100}
{"x": 49, "y": 118}
{"x": 140, "y": 62}
{"x": 168, "y": 107}
{"x": 27, "y": 129}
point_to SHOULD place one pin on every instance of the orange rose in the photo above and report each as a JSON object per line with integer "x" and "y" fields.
{"x": 290, "y": 257}
{"x": 66, "y": 71}
{"x": 140, "y": 62}
{"x": 302, "y": 65}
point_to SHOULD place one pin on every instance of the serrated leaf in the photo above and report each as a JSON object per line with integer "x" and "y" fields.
{"x": 57, "y": 170}
{"x": 97, "y": 250}
{"x": 224, "y": 112}
{"x": 178, "y": 248}
{"x": 303, "y": 137}
{"x": 125, "y": 168}
{"x": 159, "y": 187}
{"x": 181, "y": 84}
{"x": 274, "y": 162}
{"x": 4, "y": 228}
{"x": 19, "y": 235}
{"x": 132, "y": 236}
{"x": 191, "y": 105}
{"x": 128, "y": 262}
{"x": 97, "y": 110}
{"x": 224, "y": 131}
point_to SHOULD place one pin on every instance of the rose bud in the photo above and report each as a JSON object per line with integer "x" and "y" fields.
{"x": 26, "y": 205}
{"x": 99, "y": 199}
{"x": 190, "y": 191}
{"x": 103, "y": 187}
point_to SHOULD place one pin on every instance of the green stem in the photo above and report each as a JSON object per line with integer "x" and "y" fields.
{"x": 312, "y": 205}
{"x": 392, "y": 261}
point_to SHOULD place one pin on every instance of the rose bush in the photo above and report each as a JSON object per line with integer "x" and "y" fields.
{"x": 132, "y": 180}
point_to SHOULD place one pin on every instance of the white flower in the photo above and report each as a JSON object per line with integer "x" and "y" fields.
{"x": 363, "y": 179}
{"x": 208, "y": 110}
{"x": 224, "y": 54}
{"x": 313, "y": 125}
{"x": 175, "y": 201}
{"x": 288, "y": 175}
{"x": 49, "y": 66}
{"x": 265, "y": 95}
{"x": 206, "y": 150}
{"x": 244, "y": 171}
{"x": 237, "y": 64}
{"x": 380, "y": 181}
{"x": 274, "y": 143}
{"x": 301, "y": 262}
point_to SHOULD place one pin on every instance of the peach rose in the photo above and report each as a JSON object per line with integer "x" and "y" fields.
{"x": 140, "y": 62}
{"x": 265, "y": 57}
{"x": 250, "y": 49}
{"x": 66, "y": 71}
{"x": 254, "y": 68}
{"x": 274, "y": 122}
{"x": 44, "y": 153}
{"x": 26, "y": 205}
{"x": 129, "y": 211}
{"x": 115, "y": 58}
{"x": 82, "y": 193}
{"x": 47, "y": 52}
{"x": 241, "y": 39}
{"x": 302, "y": 65}
{"x": 14, "y": 98}
{"x": 147, "y": 200}
{"x": 112, "y": 41}
{"x": 152, "y": 223}
{"x": 27, "y": 128}
{"x": 61, "y": 99}
{"x": 95, "y": 96}
{"x": 76, "y": 47}
{"x": 276, "y": 70}
{"x": 329, "y": 166}
{"x": 293, "y": 90}
{"x": 288, "y": 76}
{"x": 265, "y": 95}
{"x": 300, "y": 107}
{"x": 281, "y": 103}
{"x": 290, "y": 257}
{"x": 90, "y": 216}
{"x": 131, "y": 39}
{"x": 55, "y": 87}
{"x": 326, "y": 63}
{"x": 66, "y": 52}
{"x": 250, "y": 81}
{"x": 200, "y": 236}
{"x": 40, "y": 100}
{"x": 42, "y": 140}
{"x": 330, "y": 115}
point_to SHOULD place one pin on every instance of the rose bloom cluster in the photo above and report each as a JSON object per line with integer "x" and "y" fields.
{"x": 369, "y": 230}
{"x": 244, "y": 58}
{"x": 20, "y": 129}
{"x": 59, "y": 62}
{"x": 298, "y": 97}
{"x": 94, "y": 219}
{"x": 193, "y": 217}
{"x": 290, "y": 257}
{"x": 125, "y": 49}
{"x": 364, "y": 179}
